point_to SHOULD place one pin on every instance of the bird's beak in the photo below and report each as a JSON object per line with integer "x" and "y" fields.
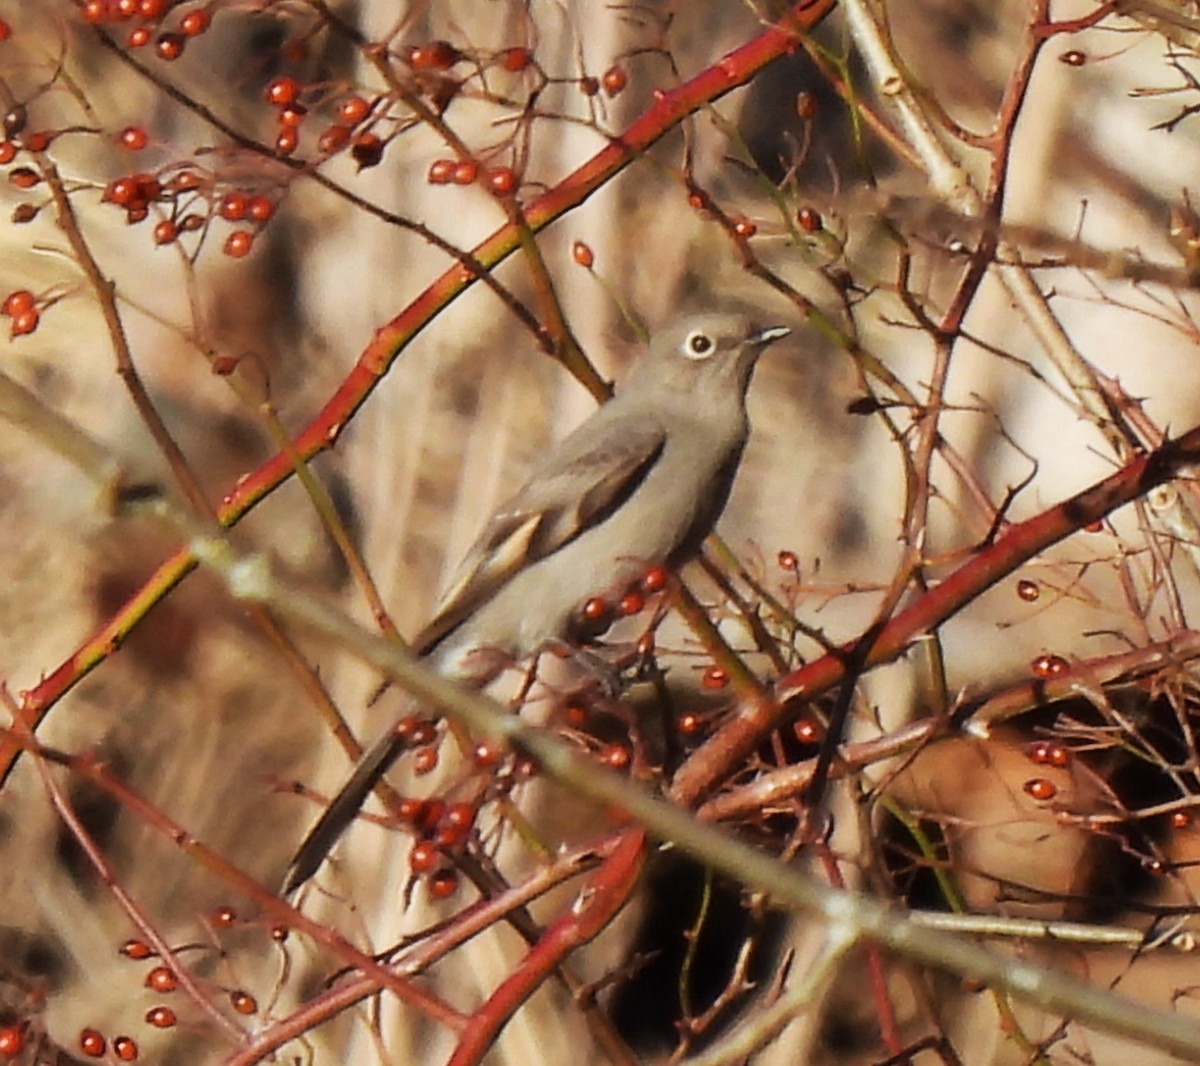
{"x": 767, "y": 336}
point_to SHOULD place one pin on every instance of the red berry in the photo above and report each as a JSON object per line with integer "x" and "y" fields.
{"x": 436, "y": 55}
{"x": 238, "y": 244}
{"x": 441, "y": 171}
{"x": 806, "y": 106}
{"x": 168, "y": 46}
{"x": 134, "y": 138}
{"x": 15, "y": 120}
{"x": 425, "y": 760}
{"x": 465, "y": 172}
{"x": 596, "y": 609}
{"x": 1028, "y": 590}
{"x": 125, "y": 1048}
{"x": 502, "y": 180}
{"x": 1074, "y": 58}
{"x": 8, "y": 152}
{"x": 136, "y": 949}
{"x": 744, "y": 228}
{"x": 367, "y": 150}
{"x": 261, "y": 209}
{"x": 589, "y": 86}
{"x": 223, "y": 917}
{"x": 12, "y": 1040}
{"x": 714, "y": 677}
{"x": 196, "y": 22}
{"x": 654, "y": 580}
{"x": 615, "y": 756}
{"x": 286, "y": 141}
{"x": 233, "y": 206}
{"x": 139, "y": 37}
{"x": 24, "y": 323}
{"x": 161, "y": 1017}
{"x": 120, "y": 191}
{"x": 166, "y": 231}
{"x": 582, "y": 254}
{"x": 152, "y": 9}
{"x": 614, "y": 80}
{"x": 352, "y": 110}
{"x": 807, "y": 730}
{"x": 148, "y": 187}
{"x": 515, "y": 59}
{"x": 282, "y": 91}
{"x": 94, "y": 11}
{"x": 332, "y": 138}
{"x": 631, "y": 603}
{"x": 242, "y": 1001}
{"x": 5, "y": 30}
{"x": 1047, "y": 666}
{"x": 162, "y": 980}
{"x": 92, "y": 1043}
{"x": 38, "y": 141}
{"x": 291, "y": 115}
{"x": 423, "y": 857}
{"x": 23, "y": 177}
{"x": 17, "y": 301}
{"x": 487, "y": 754}
{"x": 443, "y": 884}
{"x": 809, "y": 220}
{"x": 1041, "y": 789}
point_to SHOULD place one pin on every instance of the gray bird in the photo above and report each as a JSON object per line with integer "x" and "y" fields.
{"x": 641, "y": 482}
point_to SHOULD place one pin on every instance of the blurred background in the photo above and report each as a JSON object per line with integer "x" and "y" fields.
{"x": 196, "y": 711}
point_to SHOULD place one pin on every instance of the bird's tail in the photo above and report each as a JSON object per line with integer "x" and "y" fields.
{"x": 343, "y": 808}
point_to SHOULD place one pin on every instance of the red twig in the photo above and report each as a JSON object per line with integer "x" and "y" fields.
{"x": 596, "y": 906}
{"x": 670, "y": 107}
{"x": 725, "y": 750}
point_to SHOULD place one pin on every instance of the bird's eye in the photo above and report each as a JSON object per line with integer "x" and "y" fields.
{"x": 698, "y": 345}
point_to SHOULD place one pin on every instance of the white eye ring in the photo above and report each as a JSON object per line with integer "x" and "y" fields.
{"x": 698, "y": 345}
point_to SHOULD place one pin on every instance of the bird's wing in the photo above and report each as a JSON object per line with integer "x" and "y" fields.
{"x": 582, "y": 486}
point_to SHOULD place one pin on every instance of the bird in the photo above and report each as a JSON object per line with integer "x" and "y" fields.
{"x": 640, "y": 483}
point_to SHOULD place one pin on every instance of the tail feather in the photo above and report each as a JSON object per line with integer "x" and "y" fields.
{"x": 343, "y": 809}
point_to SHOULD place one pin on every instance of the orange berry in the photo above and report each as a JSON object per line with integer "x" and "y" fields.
{"x": 24, "y": 323}
{"x": 169, "y": 46}
{"x": 162, "y": 980}
{"x": 134, "y": 138}
{"x": 92, "y": 1043}
{"x": 195, "y": 22}
{"x": 242, "y": 1001}
{"x": 582, "y": 255}
{"x": 282, "y": 91}
{"x": 238, "y": 244}
{"x": 1041, "y": 789}
{"x": 161, "y": 1017}
{"x": 515, "y": 60}
{"x": 17, "y": 301}
{"x": 352, "y": 110}
{"x": 614, "y": 80}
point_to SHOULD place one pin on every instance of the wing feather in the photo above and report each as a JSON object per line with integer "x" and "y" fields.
{"x": 582, "y": 488}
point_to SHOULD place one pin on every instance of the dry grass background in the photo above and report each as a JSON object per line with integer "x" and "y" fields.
{"x": 196, "y": 713}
